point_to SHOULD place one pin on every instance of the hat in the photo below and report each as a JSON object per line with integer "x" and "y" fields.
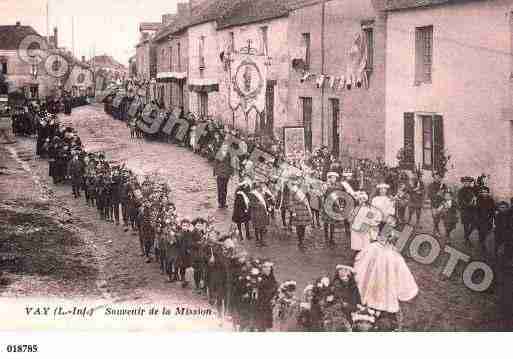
{"x": 294, "y": 178}
{"x": 484, "y": 190}
{"x": 245, "y": 182}
{"x": 347, "y": 173}
{"x": 308, "y": 288}
{"x": 362, "y": 195}
{"x": 383, "y": 185}
{"x": 343, "y": 266}
{"x": 332, "y": 174}
{"x": 467, "y": 179}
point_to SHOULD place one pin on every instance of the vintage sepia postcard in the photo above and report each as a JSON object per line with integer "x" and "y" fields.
{"x": 256, "y": 166}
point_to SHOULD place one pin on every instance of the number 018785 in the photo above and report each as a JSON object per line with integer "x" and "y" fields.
{"x": 22, "y": 348}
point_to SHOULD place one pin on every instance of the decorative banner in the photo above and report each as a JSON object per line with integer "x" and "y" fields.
{"x": 117, "y": 100}
{"x": 182, "y": 130}
{"x": 232, "y": 145}
{"x": 151, "y": 124}
{"x": 263, "y": 164}
{"x": 201, "y": 129}
{"x": 148, "y": 110}
{"x": 135, "y": 106}
{"x": 170, "y": 124}
{"x": 355, "y": 72}
{"x": 248, "y": 83}
{"x": 294, "y": 142}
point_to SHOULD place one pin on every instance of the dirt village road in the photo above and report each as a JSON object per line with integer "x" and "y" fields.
{"x": 64, "y": 251}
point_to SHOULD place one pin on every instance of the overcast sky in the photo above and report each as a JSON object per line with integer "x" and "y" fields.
{"x": 110, "y": 26}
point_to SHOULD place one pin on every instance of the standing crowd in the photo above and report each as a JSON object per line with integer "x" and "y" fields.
{"x": 193, "y": 253}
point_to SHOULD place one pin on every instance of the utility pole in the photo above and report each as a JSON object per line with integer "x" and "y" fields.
{"x": 73, "y": 35}
{"x": 48, "y": 18}
{"x": 323, "y": 26}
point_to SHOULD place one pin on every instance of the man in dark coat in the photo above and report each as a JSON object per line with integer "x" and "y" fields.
{"x": 43, "y": 133}
{"x": 503, "y": 226}
{"x": 467, "y": 205}
{"x": 241, "y": 214}
{"x": 115, "y": 197}
{"x": 146, "y": 233}
{"x": 76, "y": 171}
{"x": 124, "y": 189}
{"x": 485, "y": 214}
{"x": 183, "y": 246}
{"x": 197, "y": 253}
{"x": 267, "y": 290}
{"x": 223, "y": 171}
{"x": 435, "y": 194}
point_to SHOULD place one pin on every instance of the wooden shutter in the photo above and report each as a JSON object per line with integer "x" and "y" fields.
{"x": 409, "y": 140}
{"x": 307, "y": 122}
{"x": 438, "y": 141}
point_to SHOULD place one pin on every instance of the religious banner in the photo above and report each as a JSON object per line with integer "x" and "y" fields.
{"x": 201, "y": 129}
{"x": 152, "y": 124}
{"x": 135, "y": 106}
{"x": 355, "y": 71}
{"x": 182, "y": 130}
{"x": 294, "y": 142}
{"x": 170, "y": 124}
{"x": 263, "y": 164}
{"x": 248, "y": 83}
{"x": 117, "y": 100}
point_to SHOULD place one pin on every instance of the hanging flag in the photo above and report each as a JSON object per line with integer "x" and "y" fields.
{"x": 320, "y": 81}
{"x": 248, "y": 83}
{"x": 355, "y": 70}
{"x": 306, "y": 77}
{"x": 332, "y": 81}
{"x": 342, "y": 83}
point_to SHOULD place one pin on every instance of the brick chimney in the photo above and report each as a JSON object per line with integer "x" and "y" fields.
{"x": 18, "y": 23}
{"x": 168, "y": 19}
{"x": 56, "y": 37}
{"x": 183, "y": 9}
{"x": 194, "y": 3}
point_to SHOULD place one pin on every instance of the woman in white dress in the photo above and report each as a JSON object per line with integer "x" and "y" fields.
{"x": 362, "y": 234}
{"x": 383, "y": 202}
{"x": 383, "y": 277}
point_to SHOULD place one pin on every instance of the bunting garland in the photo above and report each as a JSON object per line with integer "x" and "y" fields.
{"x": 355, "y": 74}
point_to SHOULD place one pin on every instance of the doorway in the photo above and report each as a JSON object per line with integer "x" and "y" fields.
{"x": 335, "y": 126}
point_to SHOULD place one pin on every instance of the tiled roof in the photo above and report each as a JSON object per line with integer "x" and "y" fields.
{"x": 297, "y": 4}
{"x": 107, "y": 61}
{"x": 12, "y": 35}
{"x": 207, "y": 11}
{"x": 411, "y": 4}
{"x": 151, "y": 26}
{"x": 232, "y": 13}
{"x": 251, "y": 11}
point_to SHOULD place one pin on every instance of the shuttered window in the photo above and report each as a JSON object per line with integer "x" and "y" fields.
{"x": 369, "y": 41}
{"x": 423, "y": 54}
{"x": 170, "y": 58}
{"x": 264, "y": 32}
{"x": 179, "y": 57}
{"x": 305, "y": 104}
{"x": 427, "y": 142}
{"x": 438, "y": 141}
{"x": 409, "y": 140}
{"x": 307, "y": 45}
{"x": 203, "y": 104}
{"x": 431, "y": 141}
